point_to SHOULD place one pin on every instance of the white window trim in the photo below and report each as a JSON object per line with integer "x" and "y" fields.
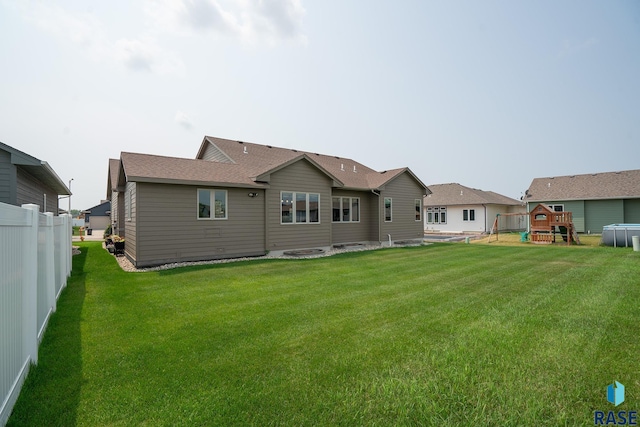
{"x": 384, "y": 207}
{"x": 436, "y": 211}
{"x": 469, "y": 215}
{"x": 419, "y": 205}
{"x": 351, "y": 199}
{"x": 308, "y": 211}
{"x": 212, "y": 198}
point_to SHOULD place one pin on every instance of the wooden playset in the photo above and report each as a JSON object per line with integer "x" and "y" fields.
{"x": 543, "y": 222}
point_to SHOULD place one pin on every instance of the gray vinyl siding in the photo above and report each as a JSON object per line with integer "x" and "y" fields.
{"x": 30, "y": 190}
{"x": 168, "y": 229}
{"x": 130, "y": 224}
{"x": 7, "y": 179}
{"x": 599, "y": 213}
{"x": 213, "y": 154}
{"x": 632, "y": 211}
{"x": 404, "y": 190}
{"x": 300, "y": 176}
{"x": 350, "y": 232}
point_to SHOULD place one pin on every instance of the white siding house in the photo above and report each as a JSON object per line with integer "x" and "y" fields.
{"x": 454, "y": 208}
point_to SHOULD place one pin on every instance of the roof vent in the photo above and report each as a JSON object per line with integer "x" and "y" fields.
{"x": 354, "y": 169}
{"x": 548, "y": 185}
{"x": 342, "y": 167}
{"x": 268, "y": 146}
{"x": 245, "y": 150}
{"x": 461, "y": 192}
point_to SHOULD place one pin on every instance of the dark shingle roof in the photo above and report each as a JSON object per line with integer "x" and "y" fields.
{"x": 456, "y": 194}
{"x": 606, "y": 185}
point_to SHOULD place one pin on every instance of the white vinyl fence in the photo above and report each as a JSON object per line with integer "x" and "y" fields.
{"x": 35, "y": 261}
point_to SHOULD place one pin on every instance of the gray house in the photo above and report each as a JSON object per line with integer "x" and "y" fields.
{"x": 98, "y": 217}
{"x": 595, "y": 200}
{"x": 25, "y": 179}
{"x": 242, "y": 199}
{"x": 455, "y": 208}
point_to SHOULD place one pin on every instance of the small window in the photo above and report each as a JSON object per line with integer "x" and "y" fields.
{"x": 345, "y": 209}
{"x": 434, "y": 215}
{"x": 355, "y": 209}
{"x": 299, "y": 208}
{"x": 468, "y": 214}
{"x": 212, "y": 204}
{"x": 388, "y": 209}
{"x": 418, "y": 210}
{"x": 127, "y": 205}
{"x": 287, "y": 208}
{"x": 314, "y": 207}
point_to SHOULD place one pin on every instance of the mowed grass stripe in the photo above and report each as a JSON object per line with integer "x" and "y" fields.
{"x": 446, "y": 334}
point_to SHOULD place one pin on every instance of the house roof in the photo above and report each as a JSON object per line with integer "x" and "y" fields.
{"x": 242, "y": 164}
{"x": 258, "y": 161}
{"x": 37, "y": 168}
{"x": 100, "y": 209}
{"x": 456, "y": 194}
{"x": 151, "y": 168}
{"x": 604, "y": 185}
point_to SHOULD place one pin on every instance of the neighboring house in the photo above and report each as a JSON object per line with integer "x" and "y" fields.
{"x": 241, "y": 199}
{"x": 25, "y": 179}
{"x": 455, "y": 208}
{"x": 98, "y": 217}
{"x": 595, "y": 200}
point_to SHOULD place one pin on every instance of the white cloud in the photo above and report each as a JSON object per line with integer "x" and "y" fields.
{"x": 90, "y": 34}
{"x": 250, "y": 21}
{"x": 183, "y": 120}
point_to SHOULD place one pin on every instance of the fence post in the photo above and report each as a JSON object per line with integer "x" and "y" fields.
{"x": 50, "y": 267}
{"x": 30, "y": 287}
{"x": 67, "y": 245}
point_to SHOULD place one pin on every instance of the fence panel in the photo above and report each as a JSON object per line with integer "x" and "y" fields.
{"x": 29, "y": 249}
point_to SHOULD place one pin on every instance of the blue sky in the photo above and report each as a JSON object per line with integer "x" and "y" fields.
{"x": 487, "y": 94}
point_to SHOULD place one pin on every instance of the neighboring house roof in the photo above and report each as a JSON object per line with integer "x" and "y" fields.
{"x": 242, "y": 164}
{"x": 456, "y": 194}
{"x": 39, "y": 169}
{"x": 605, "y": 185}
{"x": 103, "y": 209}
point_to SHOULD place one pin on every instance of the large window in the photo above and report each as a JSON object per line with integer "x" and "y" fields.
{"x": 212, "y": 204}
{"x": 436, "y": 215}
{"x": 418, "y": 210}
{"x": 299, "y": 208}
{"x": 345, "y": 209}
{"x": 388, "y": 209}
{"x": 468, "y": 214}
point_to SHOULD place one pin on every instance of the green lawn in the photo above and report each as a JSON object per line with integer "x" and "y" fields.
{"x": 445, "y": 334}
